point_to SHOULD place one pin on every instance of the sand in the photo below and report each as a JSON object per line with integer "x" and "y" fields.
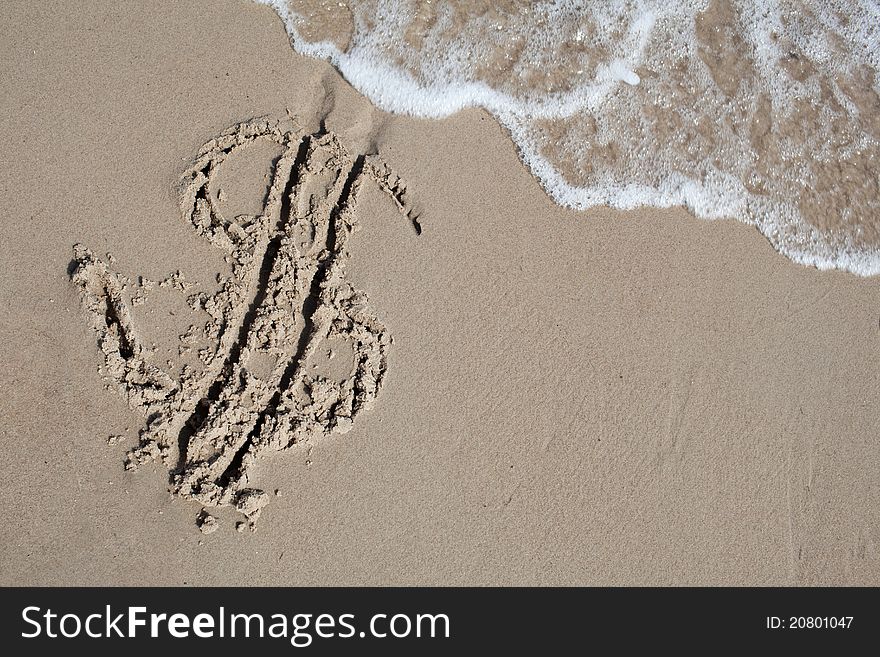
{"x": 569, "y": 397}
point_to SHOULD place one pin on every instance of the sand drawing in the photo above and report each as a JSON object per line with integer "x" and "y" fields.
{"x": 287, "y": 296}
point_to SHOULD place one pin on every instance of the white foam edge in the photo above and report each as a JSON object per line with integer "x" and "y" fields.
{"x": 393, "y": 90}
{"x": 721, "y": 198}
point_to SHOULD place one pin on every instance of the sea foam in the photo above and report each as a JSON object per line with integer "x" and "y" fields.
{"x": 763, "y": 111}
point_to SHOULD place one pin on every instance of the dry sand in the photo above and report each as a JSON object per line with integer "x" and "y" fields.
{"x": 571, "y": 397}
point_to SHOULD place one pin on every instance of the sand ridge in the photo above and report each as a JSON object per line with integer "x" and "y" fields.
{"x": 287, "y": 295}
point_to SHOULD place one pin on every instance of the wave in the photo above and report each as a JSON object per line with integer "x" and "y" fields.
{"x": 765, "y": 111}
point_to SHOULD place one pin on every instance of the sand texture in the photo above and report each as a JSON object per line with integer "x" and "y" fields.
{"x": 257, "y": 388}
{"x": 256, "y": 331}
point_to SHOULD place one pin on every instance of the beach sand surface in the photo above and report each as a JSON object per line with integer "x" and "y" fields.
{"x": 572, "y": 398}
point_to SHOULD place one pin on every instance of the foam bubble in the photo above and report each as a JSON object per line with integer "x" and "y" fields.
{"x": 620, "y": 71}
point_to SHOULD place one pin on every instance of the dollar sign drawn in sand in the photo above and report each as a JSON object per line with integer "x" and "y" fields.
{"x": 286, "y": 294}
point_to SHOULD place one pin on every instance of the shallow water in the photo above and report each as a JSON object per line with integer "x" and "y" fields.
{"x": 767, "y": 112}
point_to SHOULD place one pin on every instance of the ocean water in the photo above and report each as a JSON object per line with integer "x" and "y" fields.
{"x": 765, "y": 111}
